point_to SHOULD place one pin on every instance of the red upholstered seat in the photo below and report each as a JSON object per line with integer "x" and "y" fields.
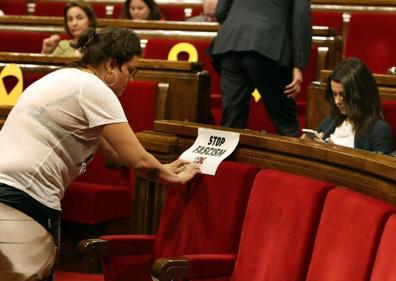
{"x": 22, "y": 41}
{"x": 99, "y": 8}
{"x": 49, "y": 8}
{"x": 280, "y": 227}
{"x": 13, "y": 7}
{"x": 172, "y": 12}
{"x": 203, "y": 217}
{"x": 372, "y": 38}
{"x": 348, "y": 235}
{"x": 117, "y": 9}
{"x": 278, "y": 231}
{"x": 158, "y": 48}
{"x": 56, "y": 8}
{"x": 102, "y": 195}
{"x": 330, "y": 19}
{"x": 258, "y": 118}
{"x": 385, "y": 261}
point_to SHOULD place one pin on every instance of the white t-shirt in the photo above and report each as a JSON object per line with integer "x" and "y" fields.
{"x": 53, "y": 131}
{"x": 344, "y": 135}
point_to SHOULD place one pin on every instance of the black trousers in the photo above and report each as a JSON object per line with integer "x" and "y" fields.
{"x": 241, "y": 73}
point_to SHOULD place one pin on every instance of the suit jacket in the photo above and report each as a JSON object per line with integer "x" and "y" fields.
{"x": 278, "y": 29}
{"x": 379, "y": 139}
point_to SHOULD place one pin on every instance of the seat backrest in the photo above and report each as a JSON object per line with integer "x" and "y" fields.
{"x": 280, "y": 226}
{"x": 14, "y": 7}
{"x": 49, "y": 8}
{"x": 159, "y": 48}
{"x": 330, "y": 19}
{"x": 371, "y": 38}
{"x": 385, "y": 261}
{"x": 56, "y": 8}
{"x": 139, "y": 102}
{"x": 206, "y": 216}
{"x": 22, "y": 41}
{"x": 172, "y": 12}
{"x": 348, "y": 236}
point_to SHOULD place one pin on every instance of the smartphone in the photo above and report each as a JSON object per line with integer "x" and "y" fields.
{"x": 311, "y": 133}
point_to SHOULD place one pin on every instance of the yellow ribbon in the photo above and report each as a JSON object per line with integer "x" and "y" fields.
{"x": 256, "y": 95}
{"x": 183, "y": 47}
{"x": 10, "y": 99}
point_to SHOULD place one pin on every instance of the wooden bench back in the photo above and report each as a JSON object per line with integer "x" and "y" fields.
{"x": 188, "y": 94}
{"x": 363, "y": 171}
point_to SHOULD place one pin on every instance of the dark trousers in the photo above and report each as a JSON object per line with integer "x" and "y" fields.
{"x": 47, "y": 217}
{"x": 241, "y": 73}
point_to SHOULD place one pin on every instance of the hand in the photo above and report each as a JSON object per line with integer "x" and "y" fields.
{"x": 176, "y": 166}
{"x": 50, "y": 43}
{"x": 189, "y": 172}
{"x": 292, "y": 89}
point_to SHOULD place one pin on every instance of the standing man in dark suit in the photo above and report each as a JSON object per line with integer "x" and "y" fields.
{"x": 262, "y": 44}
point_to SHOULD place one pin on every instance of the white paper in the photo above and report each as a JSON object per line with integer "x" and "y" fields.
{"x": 210, "y": 148}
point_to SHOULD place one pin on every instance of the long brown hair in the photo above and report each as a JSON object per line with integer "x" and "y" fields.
{"x": 83, "y": 6}
{"x": 155, "y": 13}
{"x": 361, "y": 97}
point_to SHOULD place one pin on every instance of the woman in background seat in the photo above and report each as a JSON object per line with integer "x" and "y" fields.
{"x": 355, "y": 118}
{"x": 140, "y": 10}
{"x": 78, "y": 17}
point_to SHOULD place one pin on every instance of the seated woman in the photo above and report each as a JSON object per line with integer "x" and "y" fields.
{"x": 78, "y": 17}
{"x": 355, "y": 118}
{"x": 141, "y": 10}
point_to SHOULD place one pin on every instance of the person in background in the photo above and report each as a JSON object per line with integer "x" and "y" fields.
{"x": 78, "y": 17}
{"x": 52, "y": 133}
{"x": 208, "y": 12}
{"x": 262, "y": 44}
{"x": 1, "y": 13}
{"x": 140, "y": 10}
{"x": 355, "y": 118}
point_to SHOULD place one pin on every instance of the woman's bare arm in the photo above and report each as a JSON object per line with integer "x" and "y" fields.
{"x": 123, "y": 140}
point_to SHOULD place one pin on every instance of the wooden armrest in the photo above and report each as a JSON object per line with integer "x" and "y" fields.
{"x": 169, "y": 269}
{"x": 193, "y": 267}
{"x": 92, "y": 249}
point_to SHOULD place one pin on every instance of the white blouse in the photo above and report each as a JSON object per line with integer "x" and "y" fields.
{"x": 344, "y": 135}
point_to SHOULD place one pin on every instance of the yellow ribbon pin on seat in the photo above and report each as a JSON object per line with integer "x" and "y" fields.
{"x": 10, "y": 99}
{"x": 183, "y": 47}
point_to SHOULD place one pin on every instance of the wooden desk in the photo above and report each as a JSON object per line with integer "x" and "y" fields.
{"x": 363, "y": 171}
{"x": 27, "y": 250}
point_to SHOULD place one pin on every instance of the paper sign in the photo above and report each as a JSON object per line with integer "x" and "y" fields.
{"x": 210, "y": 148}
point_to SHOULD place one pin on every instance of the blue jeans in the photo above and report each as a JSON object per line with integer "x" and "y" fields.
{"x": 47, "y": 217}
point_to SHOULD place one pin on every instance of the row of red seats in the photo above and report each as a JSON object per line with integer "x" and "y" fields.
{"x": 271, "y": 225}
{"x": 174, "y": 12}
{"x": 370, "y": 37}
